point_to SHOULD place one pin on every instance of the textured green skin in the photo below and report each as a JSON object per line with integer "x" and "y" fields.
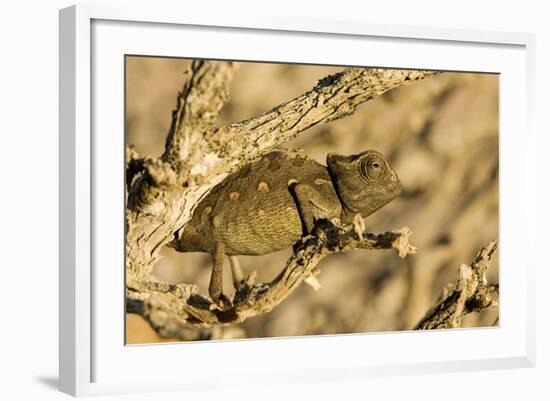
{"x": 267, "y": 215}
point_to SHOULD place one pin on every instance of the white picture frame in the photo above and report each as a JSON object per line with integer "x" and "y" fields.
{"x": 93, "y": 360}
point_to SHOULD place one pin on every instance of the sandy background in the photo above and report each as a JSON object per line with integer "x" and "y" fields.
{"x": 440, "y": 135}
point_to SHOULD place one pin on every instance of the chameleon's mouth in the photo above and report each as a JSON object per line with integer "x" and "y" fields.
{"x": 398, "y": 190}
{"x": 397, "y": 187}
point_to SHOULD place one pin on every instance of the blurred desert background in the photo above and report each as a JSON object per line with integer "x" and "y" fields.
{"x": 440, "y": 135}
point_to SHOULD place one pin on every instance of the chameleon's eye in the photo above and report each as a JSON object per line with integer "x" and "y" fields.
{"x": 372, "y": 168}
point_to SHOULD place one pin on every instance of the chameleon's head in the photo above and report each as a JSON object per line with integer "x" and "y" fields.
{"x": 365, "y": 181}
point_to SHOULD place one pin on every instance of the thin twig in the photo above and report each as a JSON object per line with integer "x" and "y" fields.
{"x": 471, "y": 294}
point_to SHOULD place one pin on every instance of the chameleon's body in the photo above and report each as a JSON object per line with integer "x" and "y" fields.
{"x": 253, "y": 211}
{"x": 269, "y": 205}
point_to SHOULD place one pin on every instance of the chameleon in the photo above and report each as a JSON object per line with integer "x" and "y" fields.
{"x": 270, "y": 204}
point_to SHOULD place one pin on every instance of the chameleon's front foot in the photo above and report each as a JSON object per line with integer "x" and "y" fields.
{"x": 359, "y": 226}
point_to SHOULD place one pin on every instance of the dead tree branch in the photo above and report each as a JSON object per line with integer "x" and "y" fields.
{"x": 333, "y": 97}
{"x": 184, "y": 307}
{"x": 471, "y": 294}
{"x": 163, "y": 192}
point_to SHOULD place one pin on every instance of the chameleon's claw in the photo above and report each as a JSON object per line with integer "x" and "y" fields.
{"x": 359, "y": 226}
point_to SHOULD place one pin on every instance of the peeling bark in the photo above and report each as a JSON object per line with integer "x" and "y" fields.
{"x": 471, "y": 294}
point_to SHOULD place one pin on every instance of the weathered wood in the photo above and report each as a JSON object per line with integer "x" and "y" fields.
{"x": 181, "y": 306}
